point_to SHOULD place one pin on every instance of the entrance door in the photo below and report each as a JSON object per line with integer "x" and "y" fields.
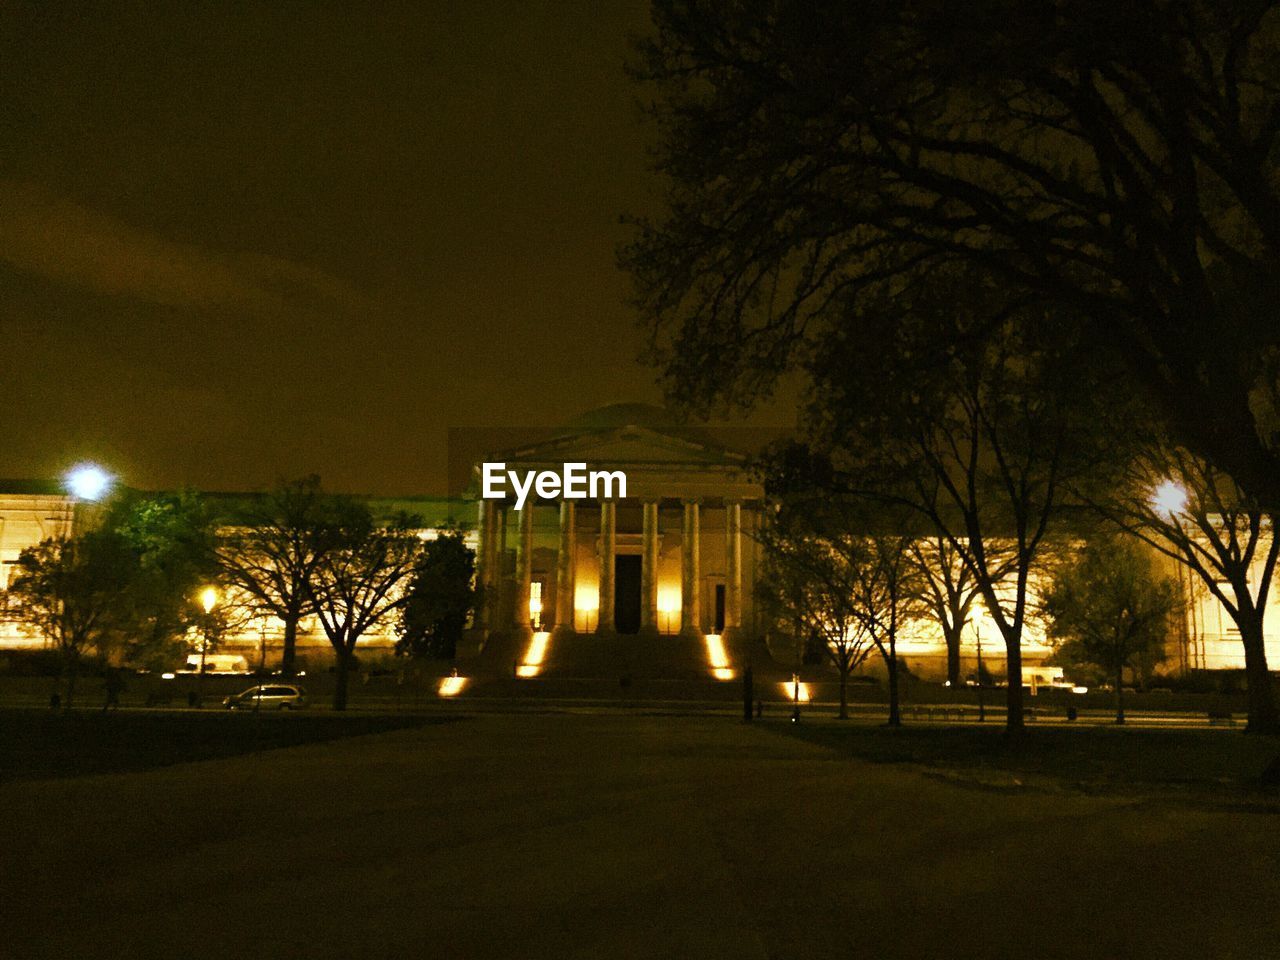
{"x": 626, "y": 595}
{"x": 719, "y": 608}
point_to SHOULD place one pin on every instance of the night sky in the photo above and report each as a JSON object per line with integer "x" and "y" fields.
{"x": 242, "y": 243}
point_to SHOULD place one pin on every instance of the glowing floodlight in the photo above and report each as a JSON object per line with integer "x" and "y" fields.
{"x": 717, "y": 658}
{"x": 534, "y": 656}
{"x": 452, "y": 686}
{"x": 88, "y": 481}
{"x": 797, "y": 691}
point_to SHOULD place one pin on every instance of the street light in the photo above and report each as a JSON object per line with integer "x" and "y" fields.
{"x": 1169, "y": 498}
{"x": 208, "y": 600}
{"x": 88, "y": 481}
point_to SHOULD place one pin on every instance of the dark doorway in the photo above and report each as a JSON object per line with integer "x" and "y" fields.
{"x": 719, "y": 608}
{"x": 626, "y": 595}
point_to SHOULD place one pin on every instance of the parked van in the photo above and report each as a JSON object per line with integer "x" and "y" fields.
{"x": 216, "y": 663}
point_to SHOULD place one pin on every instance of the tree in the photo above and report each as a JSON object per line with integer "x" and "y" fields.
{"x": 359, "y": 580}
{"x": 173, "y": 537}
{"x": 887, "y": 593}
{"x": 439, "y": 600}
{"x": 1112, "y": 162}
{"x": 1108, "y": 608}
{"x": 948, "y": 590}
{"x": 74, "y": 591}
{"x": 275, "y": 550}
{"x": 971, "y": 438}
{"x": 1181, "y": 505}
{"x": 809, "y": 587}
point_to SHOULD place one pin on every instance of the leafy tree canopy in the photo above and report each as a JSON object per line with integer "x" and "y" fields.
{"x": 440, "y": 599}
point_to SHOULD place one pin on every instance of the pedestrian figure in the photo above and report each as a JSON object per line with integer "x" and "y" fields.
{"x": 115, "y": 684}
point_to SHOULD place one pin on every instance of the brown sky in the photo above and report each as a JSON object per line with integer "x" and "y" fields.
{"x": 239, "y": 242}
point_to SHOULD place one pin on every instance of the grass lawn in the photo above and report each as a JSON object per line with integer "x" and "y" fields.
{"x": 1222, "y": 764}
{"x": 579, "y": 837}
{"x": 39, "y": 743}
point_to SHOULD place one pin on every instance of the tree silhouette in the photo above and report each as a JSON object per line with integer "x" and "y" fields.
{"x": 360, "y": 580}
{"x": 1109, "y": 608}
{"x": 273, "y": 551}
{"x": 1114, "y": 162}
{"x": 439, "y": 599}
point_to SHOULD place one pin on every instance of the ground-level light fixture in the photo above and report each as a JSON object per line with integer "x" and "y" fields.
{"x": 451, "y": 685}
{"x": 88, "y": 481}
{"x": 531, "y": 666}
{"x": 717, "y": 658}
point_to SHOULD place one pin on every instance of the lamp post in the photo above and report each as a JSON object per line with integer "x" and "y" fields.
{"x": 208, "y": 600}
{"x": 795, "y": 677}
{"x": 982, "y": 703}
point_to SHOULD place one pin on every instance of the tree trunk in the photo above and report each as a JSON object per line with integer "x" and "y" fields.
{"x": 1263, "y": 717}
{"x": 844, "y": 694}
{"x": 70, "y": 674}
{"x": 204, "y": 651}
{"x": 1014, "y": 722}
{"x": 1120, "y": 693}
{"x": 340, "y": 687}
{"x": 895, "y": 715}
{"x": 951, "y": 635}
{"x": 289, "y": 653}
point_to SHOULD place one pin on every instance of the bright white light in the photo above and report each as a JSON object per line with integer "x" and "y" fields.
{"x": 209, "y": 599}
{"x": 1169, "y": 498}
{"x": 796, "y": 692}
{"x": 88, "y": 481}
{"x": 452, "y": 686}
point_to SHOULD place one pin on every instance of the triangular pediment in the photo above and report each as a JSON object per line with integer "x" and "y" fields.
{"x": 622, "y": 447}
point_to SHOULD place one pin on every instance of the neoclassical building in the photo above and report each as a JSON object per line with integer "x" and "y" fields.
{"x": 673, "y": 560}
{"x": 659, "y": 582}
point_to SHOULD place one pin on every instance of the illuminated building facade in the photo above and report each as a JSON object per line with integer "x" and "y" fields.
{"x": 655, "y": 571}
{"x": 661, "y": 581}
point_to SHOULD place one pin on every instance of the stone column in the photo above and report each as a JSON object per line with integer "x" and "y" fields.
{"x": 733, "y": 565}
{"x": 485, "y": 575}
{"x": 564, "y": 569}
{"x": 524, "y": 570}
{"x": 608, "y": 547}
{"x": 649, "y": 569}
{"x": 690, "y": 571}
